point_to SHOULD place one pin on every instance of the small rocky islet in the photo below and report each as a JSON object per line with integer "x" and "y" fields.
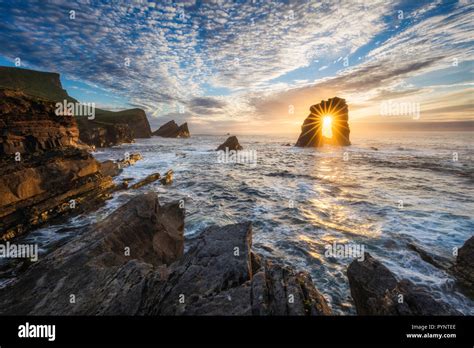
{"x": 140, "y": 267}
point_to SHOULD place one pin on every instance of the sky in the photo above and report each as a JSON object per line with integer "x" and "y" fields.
{"x": 252, "y": 66}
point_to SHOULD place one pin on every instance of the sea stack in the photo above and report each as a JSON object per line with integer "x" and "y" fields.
{"x": 232, "y": 143}
{"x": 172, "y": 130}
{"x": 337, "y": 111}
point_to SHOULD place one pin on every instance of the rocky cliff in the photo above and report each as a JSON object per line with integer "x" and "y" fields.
{"x": 311, "y": 130}
{"x": 44, "y": 170}
{"x": 106, "y": 129}
{"x": 172, "y": 130}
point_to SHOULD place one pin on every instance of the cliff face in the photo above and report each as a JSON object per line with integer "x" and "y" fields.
{"x": 172, "y": 130}
{"x": 106, "y": 129}
{"x": 44, "y": 172}
{"x": 311, "y": 130}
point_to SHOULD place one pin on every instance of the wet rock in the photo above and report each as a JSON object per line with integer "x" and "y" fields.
{"x": 172, "y": 130}
{"x": 311, "y": 130}
{"x": 437, "y": 261}
{"x": 220, "y": 275}
{"x": 149, "y": 179}
{"x": 376, "y": 291}
{"x": 464, "y": 267}
{"x": 232, "y": 143}
{"x": 168, "y": 178}
{"x": 104, "y": 270}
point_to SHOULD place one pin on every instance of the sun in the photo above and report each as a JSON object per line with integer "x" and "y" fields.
{"x": 327, "y": 126}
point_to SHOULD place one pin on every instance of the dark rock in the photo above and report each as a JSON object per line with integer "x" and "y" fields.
{"x": 376, "y": 291}
{"x": 432, "y": 259}
{"x": 221, "y": 276}
{"x": 105, "y": 269}
{"x": 311, "y": 130}
{"x": 464, "y": 267}
{"x": 101, "y": 134}
{"x": 172, "y": 130}
{"x": 232, "y": 143}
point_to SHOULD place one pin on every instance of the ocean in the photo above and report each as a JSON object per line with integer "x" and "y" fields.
{"x": 381, "y": 193}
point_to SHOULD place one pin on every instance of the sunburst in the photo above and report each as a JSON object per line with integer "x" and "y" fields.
{"x": 317, "y": 118}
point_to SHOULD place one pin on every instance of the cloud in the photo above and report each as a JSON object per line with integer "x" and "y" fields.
{"x": 163, "y": 55}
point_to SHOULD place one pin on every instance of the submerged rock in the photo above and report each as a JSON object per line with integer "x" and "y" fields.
{"x": 232, "y": 143}
{"x": 376, "y": 291}
{"x": 172, "y": 130}
{"x": 311, "y": 130}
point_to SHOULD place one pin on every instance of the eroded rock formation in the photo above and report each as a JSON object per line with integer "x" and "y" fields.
{"x": 376, "y": 291}
{"x": 311, "y": 130}
{"x": 138, "y": 268}
{"x": 172, "y": 130}
{"x": 44, "y": 170}
{"x": 107, "y": 128}
{"x": 232, "y": 143}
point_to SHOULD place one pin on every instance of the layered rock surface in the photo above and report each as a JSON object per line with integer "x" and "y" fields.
{"x": 311, "y": 130}
{"x": 172, "y": 130}
{"x": 376, "y": 291}
{"x": 219, "y": 275}
{"x": 106, "y": 129}
{"x": 44, "y": 170}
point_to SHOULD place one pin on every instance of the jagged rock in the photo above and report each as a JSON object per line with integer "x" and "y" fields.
{"x": 464, "y": 267}
{"x": 111, "y": 168}
{"x": 376, "y": 291}
{"x": 435, "y": 260}
{"x": 220, "y": 275}
{"x": 106, "y": 268}
{"x": 232, "y": 143}
{"x": 52, "y": 176}
{"x": 311, "y": 130}
{"x": 172, "y": 130}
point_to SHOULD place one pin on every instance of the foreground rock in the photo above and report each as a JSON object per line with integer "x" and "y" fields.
{"x": 464, "y": 267}
{"x": 311, "y": 130}
{"x": 232, "y": 143}
{"x": 376, "y": 291}
{"x": 114, "y": 168}
{"x": 220, "y": 275}
{"x": 44, "y": 170}
{"x": 105, "y": 270}
{"x": 120, "y": 268}
{"x": 172, "y": 130}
